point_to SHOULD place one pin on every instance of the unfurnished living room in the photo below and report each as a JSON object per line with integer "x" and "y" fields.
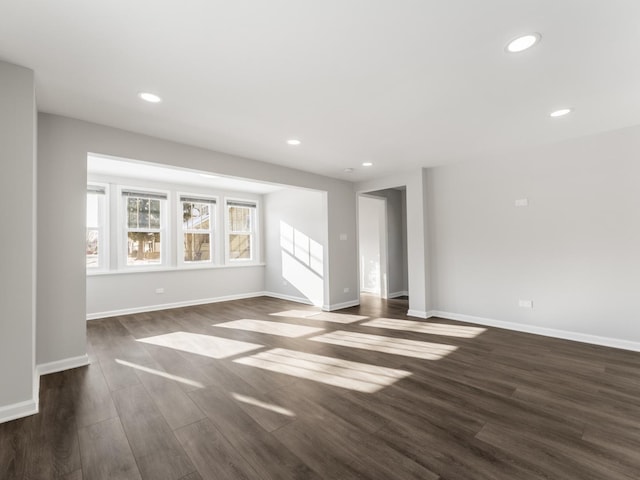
{"x": 320, "y": 240}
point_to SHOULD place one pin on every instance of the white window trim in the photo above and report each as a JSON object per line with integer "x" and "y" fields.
{"x": 213, "y": 232}
{"x": 255, "y": 234}
{"x": 103, "y": 236}
{"x": 164, "y": 231}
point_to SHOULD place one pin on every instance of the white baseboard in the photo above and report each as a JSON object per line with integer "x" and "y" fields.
{"x": 31, "y": 407}
{"x": 167, "y": 306}
{"x": 374, "y": 291}
{"x": 290, "y": 298}
{"x": 403, "y": 293}
{"x": 547, "y": 332}
{"x": 60, "y": 365}
{"x": 418, "y": 313}
{"x": 18, "y": 410}
{"x": 340, "y": 306}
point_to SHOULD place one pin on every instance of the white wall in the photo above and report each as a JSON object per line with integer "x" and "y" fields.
{"x": 18, "y": 394}
{"x": 575, "y": 251}
{"x": 371, "y": 245}
{"x": 118, "y": 291}
{"x": 396, "y": 239}
{"x": 63, "y": 147}
{"x": 295, "y": 244}
{"x": 121, "y": 293}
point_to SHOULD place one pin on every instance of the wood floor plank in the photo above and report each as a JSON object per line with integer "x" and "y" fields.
{"x": 172, "y": 401}
{"x": 175, "y": 364}
{"x": 499, "y": 405}
{"x": 377, "y": 461}
{"x": 313, "y": 400}
{"x": 562, "y": 458}
{"x": 259, "y": 448}
{"x": 106, "y": 454}
{"x": 212, "y": 454}
{"x": 157, "y": 452}
{"x": 53, "y": 449}
{"x": 90, "y": 391}
{"x": 619, "y": 442}
{"x": 77, "y": 475}
{"x": 14, "y": 444}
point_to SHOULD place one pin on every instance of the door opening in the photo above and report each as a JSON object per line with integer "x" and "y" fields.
{"x": 382, "y": 243}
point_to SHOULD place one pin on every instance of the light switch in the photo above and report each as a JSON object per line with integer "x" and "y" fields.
{"x": 522, "y": 202}
{"x": 343, "y": 236}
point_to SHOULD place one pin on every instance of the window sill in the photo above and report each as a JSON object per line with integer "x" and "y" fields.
{"x": 172, "y": 269}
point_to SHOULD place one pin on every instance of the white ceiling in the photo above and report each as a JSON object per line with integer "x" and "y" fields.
{"x": 114, "y": 167}
{"x": 401, "y": 83}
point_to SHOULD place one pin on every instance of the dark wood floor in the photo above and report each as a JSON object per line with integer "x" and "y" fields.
{"x": 339, "y": 399}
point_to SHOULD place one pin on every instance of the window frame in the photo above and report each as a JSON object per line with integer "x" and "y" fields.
{"x": 254, "y": 235}
{"x": 213, "y": 231}
{"x": 123, "y": 228}
{"x": 103, "y": 226}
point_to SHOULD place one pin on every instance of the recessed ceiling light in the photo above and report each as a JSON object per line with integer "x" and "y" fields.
{"x": 523, "y": 43}
{"x": 294, "y": 142}
{"x": 207, "y": 175}
{"x": 560, "y": 113}
{"x": 149, "y": 97}
{"x": 367, "y": 164}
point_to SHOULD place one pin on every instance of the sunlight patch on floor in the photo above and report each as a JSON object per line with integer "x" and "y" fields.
{"x": 160, "y": 373}
{"x": 461, "y": 331}
{"x": 321, "y": 316}
{"x": 361, "y": 377}
{"x": 272, "y": 328}
{"x": 267, "y": 406}
{"x": 206, "y": 345}
{"x": 295, "y": 313}
{"x": 395, "y": 346}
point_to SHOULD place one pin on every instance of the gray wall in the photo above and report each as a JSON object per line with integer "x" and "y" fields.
{"x": 63, "y": 147}
{"x": 108, "y": 294}
{"x": 291, "y": 217}
{"x": 574, "y": 251}
{"x": 17, "y": 239}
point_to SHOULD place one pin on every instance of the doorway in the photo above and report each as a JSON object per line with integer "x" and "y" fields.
{"x": 382, "y": 243}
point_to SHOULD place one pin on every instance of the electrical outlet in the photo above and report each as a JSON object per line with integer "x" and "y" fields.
{"x": 159, "y": 290}
{"x": 522, "y": 202}
{"x": 285, "y": 283}
{"x": 525, "y": 303}
{"x": 346, "y": 290}
{"x": 343, "y": 236}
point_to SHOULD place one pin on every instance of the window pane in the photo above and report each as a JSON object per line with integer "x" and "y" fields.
{"x": 93, "y": 214}
{"x": 240, "y": 246}
{"x": 93, "y": 237}
{"x": 197, "y": 247}
{"x": 132, "y": 212}
{"x": 143, "y": 213}
{"x": 154, "y": 213}
{"x": 195, "y": 216}
{"x": 143, "y": 248}
{"x": 240, "y": 219}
